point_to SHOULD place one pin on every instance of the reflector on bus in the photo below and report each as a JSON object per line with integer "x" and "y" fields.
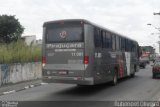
{"x": 43, "y": 61}
{"x": 86, "y": 60}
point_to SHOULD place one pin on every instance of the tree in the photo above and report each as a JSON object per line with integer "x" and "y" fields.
{"x": 10, "y": 29}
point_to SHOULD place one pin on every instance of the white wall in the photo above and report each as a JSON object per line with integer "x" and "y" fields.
{"x": 13, "y": 73}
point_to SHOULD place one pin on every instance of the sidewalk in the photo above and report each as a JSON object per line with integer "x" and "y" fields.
{"x": 5, "y": 89}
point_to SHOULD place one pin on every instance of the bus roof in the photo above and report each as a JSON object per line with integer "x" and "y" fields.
{"x": 87, "y": 22}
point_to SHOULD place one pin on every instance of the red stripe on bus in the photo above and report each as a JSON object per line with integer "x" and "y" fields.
{"x": 120, "y": 70}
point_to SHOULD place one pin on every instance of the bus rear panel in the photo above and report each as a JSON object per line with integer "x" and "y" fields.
{"x": 64, "y": 57}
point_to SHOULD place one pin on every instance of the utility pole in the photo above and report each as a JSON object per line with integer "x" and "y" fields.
{"x": 158, "y": 30}
{"x": 155, "y": 33}
{"x": 159, "y": 44}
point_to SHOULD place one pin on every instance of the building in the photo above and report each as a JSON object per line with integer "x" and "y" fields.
{"x": 39, "y": 42}
{"x": 30, "y": 39}
{"x": 148, "y": 49}
{"x": 148, "y": 52}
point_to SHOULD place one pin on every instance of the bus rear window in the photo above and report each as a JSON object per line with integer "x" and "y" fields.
{"x": 64, "y": 34}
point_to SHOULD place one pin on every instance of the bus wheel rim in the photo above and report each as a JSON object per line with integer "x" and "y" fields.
{"x": 115, "y": 79}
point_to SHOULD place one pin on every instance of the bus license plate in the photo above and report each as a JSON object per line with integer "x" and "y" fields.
{"x": 63, "y": 72}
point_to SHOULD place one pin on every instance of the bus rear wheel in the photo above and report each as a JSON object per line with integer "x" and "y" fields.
{"x": 133, "y": 74}
{"x": 153, "y": 76}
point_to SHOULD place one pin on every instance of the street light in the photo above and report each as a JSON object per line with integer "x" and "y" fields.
{"x": 156, "y": 13}
{"x": 149, "y": 24}
{"x": 155, "y": 34}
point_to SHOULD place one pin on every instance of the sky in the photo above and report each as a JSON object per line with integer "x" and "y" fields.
{"x": 127, "y": 17}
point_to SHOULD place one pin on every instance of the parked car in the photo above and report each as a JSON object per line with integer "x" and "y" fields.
{"x": 156, "y": 69}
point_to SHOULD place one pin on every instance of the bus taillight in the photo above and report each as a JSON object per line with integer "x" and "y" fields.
{"x": 86, "y": 60}
{"x": 43, "y": 61}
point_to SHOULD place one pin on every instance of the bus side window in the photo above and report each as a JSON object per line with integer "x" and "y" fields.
{"x": 97, "y": 37}
{"x": 128, "y": 46}
{"x": 132, "y": 46}
{"x": 113, "y": 42}
{"x": 108, "y": 40}
{"x": 102, "y": 39}
{"x": 135, "y": 47}
{"x": 117, "y": 42}
{"x": 122, "y": 44}
{"x": 136, "y": 50}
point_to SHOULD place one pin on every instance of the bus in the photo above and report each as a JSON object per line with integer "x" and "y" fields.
{"x": 76, "y": 51}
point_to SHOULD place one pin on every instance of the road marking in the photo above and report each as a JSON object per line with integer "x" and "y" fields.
{"x": 8, "y": 92}
{"x": 31, "y": 86}
{"x": 43, "y": 83}
{"x": 26, "y": 87}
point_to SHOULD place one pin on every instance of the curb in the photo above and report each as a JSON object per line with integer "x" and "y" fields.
{"x": 24, "y": 88}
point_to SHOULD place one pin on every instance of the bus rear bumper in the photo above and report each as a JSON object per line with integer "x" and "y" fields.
{"x": 69, "y": 80}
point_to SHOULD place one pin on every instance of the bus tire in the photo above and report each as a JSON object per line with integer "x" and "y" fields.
{"x": 133, "y": 74}
{"x": 153, "y": 76}
{"x": 114, "y": 79}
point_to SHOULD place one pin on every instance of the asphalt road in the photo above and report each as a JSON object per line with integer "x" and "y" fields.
{"x": 140, "y": 88}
